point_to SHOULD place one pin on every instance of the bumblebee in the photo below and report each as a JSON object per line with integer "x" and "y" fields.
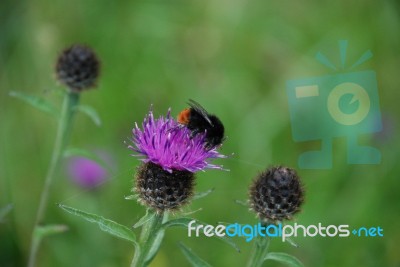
{"x": 198, "y": 120}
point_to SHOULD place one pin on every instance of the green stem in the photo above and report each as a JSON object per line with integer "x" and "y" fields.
{"x": 71, "y": 100}
{"x": 260, "y": 251}
{"x": 147, "y": 238}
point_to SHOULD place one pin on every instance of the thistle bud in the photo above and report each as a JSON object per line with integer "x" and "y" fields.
{"x": 163, "y": 190}
{"x": 276, "y": 194}
{"x": 78, "y": 68}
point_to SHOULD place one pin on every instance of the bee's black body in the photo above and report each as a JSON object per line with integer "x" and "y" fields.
{"x": 201, "y": 121}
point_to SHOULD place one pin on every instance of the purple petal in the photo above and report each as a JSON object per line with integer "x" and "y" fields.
{"x": 165, "y": 142}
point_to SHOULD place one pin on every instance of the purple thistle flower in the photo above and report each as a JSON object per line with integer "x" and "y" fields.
{"x": 89, "y": 173}
{"x": 166, "y": 143}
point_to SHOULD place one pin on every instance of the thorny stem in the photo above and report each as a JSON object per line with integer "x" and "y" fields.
{"x": 70, "y": 101}
{"x": 260, "y": 251}
{"x": 148, "y": 236}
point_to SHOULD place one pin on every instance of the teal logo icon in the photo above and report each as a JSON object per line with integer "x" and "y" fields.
{"x": 343, "y": 104}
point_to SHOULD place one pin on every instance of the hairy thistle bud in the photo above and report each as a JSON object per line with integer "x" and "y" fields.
{"x": 163, "y": 190}
{"x": 78, "y": 68}
{"x": 276, "y": 194}
{"x": 172, "y": 155}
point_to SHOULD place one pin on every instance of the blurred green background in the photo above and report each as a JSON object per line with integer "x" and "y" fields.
{"x": 234, "y": 58}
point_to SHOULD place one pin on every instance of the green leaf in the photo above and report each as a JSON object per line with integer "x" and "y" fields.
{"x": 291, "y": 242}
{"x": 90, "y": 112}
{"x": 195, "y": 260}
{"x": 45, "y": 230}
{"x": 284, "y": 258}
{"x": 105, "y": 225}
{"x": 131, "y": 197}
{"x": 36, "y": 102}
{"x": 242, "y": 203}
{"x": 79, "y": 152}
{"x": 191, "y": 212}
{"x": 147, "y": 217}
{"x": 4, "y": 211}
{"x": 183, "y": 222}
{"x": 156, "y": 246}
{"x": 42, "y": 231}
{"x": 202, "y": 194}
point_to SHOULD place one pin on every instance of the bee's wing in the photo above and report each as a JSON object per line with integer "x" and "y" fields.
{"x": 197, "y": 107}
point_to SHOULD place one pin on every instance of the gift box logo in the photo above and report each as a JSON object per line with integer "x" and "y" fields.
{"x": 337, "y": 105}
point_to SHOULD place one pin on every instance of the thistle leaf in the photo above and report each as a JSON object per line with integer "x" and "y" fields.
{"x": 291, "y": 242}
{"x": 284, "y": 258}
{"x": 131, "y": 197}
{"x": 202, "y": 194}
{"x": 90, "y": 112}
{"x": 51, "y": 229}
{"x": 242, "y": 203}
{"x": 195, "y": 260}
{"x": 105, "y": 225}
{"x": 36, "y": 102}
{"x": 147, "y": 217}
{"x": 192, "y": 212}
{"x": 156, "y": 246}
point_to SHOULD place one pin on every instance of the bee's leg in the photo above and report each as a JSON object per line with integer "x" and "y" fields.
{"x": 194, "y": 133}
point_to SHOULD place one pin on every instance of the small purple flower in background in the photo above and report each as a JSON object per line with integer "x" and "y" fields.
{"x": 88, "y": 173}
{"x": 171, "y": 156}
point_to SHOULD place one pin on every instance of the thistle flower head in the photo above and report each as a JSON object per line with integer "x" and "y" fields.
{"x": 78, "y": 68}
{"x": 171, "y": 155}
{"x": 166, "y": 143}
{"x": 276, "y": 194}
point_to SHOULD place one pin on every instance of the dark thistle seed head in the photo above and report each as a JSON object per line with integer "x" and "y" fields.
{"x": 162, "y": 190}
{"x": 276, "y": 194}
{"x": 78, "y": 68}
